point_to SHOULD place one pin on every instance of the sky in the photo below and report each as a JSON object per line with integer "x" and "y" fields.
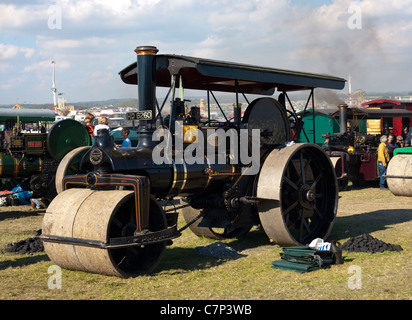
{"x": 92, "y": 40}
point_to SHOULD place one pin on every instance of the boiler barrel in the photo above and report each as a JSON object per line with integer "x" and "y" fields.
{"x": 177, "y": 178}
{"x": 19, "y": 167}
{"x": 399, "y": 175}
{"x": 189, "y": 179}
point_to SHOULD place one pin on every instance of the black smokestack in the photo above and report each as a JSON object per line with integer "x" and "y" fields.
{"x": 343, "y": 117}
{"x": 146, "y": 81}
{"x": 146, "y": 78}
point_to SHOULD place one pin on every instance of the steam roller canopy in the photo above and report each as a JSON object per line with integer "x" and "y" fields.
{"x": 65, "y": 136}
{"x": 100, "y": 216}
{"x": 299, "y": 194}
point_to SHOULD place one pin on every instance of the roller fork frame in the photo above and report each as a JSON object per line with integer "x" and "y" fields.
{"x": 141, "y": 188}
{"x": 140, "y": 185}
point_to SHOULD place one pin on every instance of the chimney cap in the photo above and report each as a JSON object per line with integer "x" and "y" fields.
{"x": 143, "y": 50}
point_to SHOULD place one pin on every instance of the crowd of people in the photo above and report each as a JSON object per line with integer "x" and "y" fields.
{"x": 387, "y": 146}
{"x": 103, "y": 124}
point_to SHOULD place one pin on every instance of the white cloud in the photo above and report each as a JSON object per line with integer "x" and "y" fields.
{"x": 13, "y": 16}
{"x": 8, "y": 51}
{"x": 101, "y": 77}
{"x": 6, "y": 86}
{"x": 46, "y": 65}
{"x": 98, "y": 37}
{"x": 28, "y": 52}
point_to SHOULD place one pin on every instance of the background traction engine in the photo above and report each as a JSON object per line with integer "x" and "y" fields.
{"x": 33, "y": 158}
{"x": 107, "y": 218}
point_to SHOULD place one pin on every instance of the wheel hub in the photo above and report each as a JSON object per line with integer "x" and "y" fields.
{"x": 310, "y": 196}
{"x": 306, "y": 196}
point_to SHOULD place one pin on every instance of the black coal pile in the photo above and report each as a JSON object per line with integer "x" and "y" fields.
{"x": 29, "y": 245}
{"x": 218, "y": 249}
{"x": 369, "y": 244}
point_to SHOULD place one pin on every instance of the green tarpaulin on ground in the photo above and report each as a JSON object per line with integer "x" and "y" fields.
{"x": 303, "y": 259}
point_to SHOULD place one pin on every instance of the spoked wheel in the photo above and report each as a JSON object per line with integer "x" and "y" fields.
{"x": 100, "y": 216}
{"x": 190, "y": 213}
{"x": 300, "y": 188}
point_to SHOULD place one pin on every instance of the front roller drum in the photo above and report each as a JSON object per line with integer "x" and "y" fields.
{"x": 298, "y": 194}
{"x": 100, "y": 216}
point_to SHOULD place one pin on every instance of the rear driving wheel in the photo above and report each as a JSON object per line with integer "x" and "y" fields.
{"x": 300, "y": 190}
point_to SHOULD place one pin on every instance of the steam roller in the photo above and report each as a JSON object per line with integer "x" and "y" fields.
{"x": 108, "y": 218}
{"x": 399, "y": 173}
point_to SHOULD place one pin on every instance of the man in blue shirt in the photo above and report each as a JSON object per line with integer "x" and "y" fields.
{"x": 126, "y": 142}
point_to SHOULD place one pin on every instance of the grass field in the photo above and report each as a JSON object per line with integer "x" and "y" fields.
{"x": 184, "y": 274}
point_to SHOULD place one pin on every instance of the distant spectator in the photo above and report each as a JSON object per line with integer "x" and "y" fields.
{"x": 383, "y": 160}
{"x": 408, "y": 141}
{"x": 405, "y": 133}
{"x": 399, "y": 142}
{"x": 407, "y": 137}
{"x": 103, "y": 125}
{"x": 391, "y": 144}
{"x": 88, "y": 121}
{"x": 126, "y": 142}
